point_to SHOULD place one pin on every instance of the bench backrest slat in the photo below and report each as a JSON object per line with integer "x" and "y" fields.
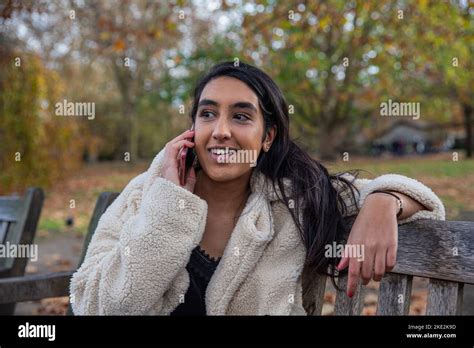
{"x": 346, "y": 305}
{"x": 4, "y": 225}
{"x": 444, "y": 297}
{"x": 394, "y": 294}
{"x": 10, "y": 208}
{"x": 12, "y": 235}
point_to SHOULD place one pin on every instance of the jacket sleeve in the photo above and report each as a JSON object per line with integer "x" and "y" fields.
{"x": 393, "y": 182}
{"x": 140, "y": 246}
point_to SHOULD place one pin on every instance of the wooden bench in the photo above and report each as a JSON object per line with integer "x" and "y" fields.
{"x": 19, "y": 217}
{"x": 39, "y": 286}
{"x": 439, "y": 250}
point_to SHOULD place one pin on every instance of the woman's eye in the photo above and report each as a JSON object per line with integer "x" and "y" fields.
{"x": 207, "y": 114}
{"x": 242, "y": 117}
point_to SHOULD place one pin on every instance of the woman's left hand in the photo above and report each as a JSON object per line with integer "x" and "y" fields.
{"x": 375, "y": 233}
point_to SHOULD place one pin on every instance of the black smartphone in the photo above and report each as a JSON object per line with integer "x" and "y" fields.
{"x": 187, "y": 157}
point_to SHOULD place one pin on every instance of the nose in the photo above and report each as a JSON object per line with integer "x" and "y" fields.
{"x": 221, "y": 130}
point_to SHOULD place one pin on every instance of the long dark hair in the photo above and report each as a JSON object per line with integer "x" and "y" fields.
{"x": 313, "y": 197}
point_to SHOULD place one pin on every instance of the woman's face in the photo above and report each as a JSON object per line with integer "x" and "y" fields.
{"x": 229, "y": 129}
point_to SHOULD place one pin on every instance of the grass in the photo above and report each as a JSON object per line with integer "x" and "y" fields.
{"x": 412, "y": 167}
{"x": 452, "y": 181}
{"x": 51, "y": 225}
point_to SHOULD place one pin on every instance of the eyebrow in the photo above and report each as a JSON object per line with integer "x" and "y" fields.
{"x": 239, "y": 105}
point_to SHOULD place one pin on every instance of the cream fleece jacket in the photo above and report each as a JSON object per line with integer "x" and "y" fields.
{"x": 135, "y": 263}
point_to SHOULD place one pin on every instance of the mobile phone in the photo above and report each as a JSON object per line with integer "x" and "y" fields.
{"x": 185, "y": 162}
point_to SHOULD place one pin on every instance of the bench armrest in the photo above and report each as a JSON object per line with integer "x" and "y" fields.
{"x": 34, "y": 287}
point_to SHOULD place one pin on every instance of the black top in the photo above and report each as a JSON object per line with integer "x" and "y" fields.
{"x": 200, "y": 267}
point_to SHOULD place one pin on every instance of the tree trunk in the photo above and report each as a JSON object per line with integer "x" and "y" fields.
{"x": 130, "y": 116}
{"x": 327, "y": 144}
{"x": 468, "y": 125}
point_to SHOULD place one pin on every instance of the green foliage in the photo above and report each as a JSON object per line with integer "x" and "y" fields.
{"x": 36, "y": 147}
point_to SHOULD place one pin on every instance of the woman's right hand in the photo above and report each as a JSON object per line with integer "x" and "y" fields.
{"x": 171, "y": 161}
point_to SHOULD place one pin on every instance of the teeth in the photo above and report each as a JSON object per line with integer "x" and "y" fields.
{"x": 223, "y": 151}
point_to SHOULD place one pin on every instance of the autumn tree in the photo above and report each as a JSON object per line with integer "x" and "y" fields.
{"x": 36, "y": 148}
{"x": 337, "y": 61}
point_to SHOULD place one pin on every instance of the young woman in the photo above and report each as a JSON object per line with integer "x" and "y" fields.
{"x": 235, "y": 238}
